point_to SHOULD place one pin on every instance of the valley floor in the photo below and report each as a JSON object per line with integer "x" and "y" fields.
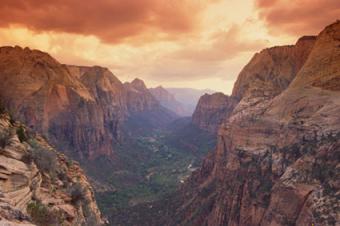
{"x": 152, "y": 166}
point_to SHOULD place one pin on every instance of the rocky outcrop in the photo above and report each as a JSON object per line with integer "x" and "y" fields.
{"x": 211, "y": 110}
{"x": 188, "y": 97}
{"x": 266, "y": 75}
{"x": 139, "y": 99}
{"x": 275, "y": 162}
{"x": 81, "y": 110}
{"x": 168, "y": 101}
{"x": 270, "y": 72}
{"x": 38, "y": 185}
{"x": 145, "y": 111}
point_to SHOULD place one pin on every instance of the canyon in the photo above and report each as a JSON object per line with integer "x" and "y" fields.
{"x": 276, "y": 161}
{"x": 268, "y": 154}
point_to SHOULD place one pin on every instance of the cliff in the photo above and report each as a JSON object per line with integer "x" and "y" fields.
{"x": 139, "y": 98}
{"x": 275, "y": 162}
{"x": 168, "y": 101}
{"x": 267, "y": 74}
{"x": 38, "y": 185}
{"x": 82, "y": 110}
{"x": 211, "y": 110}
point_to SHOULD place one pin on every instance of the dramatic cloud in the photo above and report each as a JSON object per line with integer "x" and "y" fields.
{"x": 298, "y": 17}
{"x": 193, "y": 43}
{"x": 221, "y": 46}
{"x": 110, "y": 20}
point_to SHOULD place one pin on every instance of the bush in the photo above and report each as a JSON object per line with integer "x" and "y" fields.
{"x": 21, "y": 134}
{"x": 4, "y": 137}
{"x": 42, "y": 216}
{"x": 77, "y": 193}
{"x": 2, "y": 109}
{"x": 45, "y": 159}
{"x": 27, "y": 158}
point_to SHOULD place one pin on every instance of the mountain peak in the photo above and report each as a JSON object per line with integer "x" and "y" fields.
{"x": 138, "y": 84}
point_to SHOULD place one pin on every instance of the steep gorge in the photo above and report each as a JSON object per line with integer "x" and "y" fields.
{"x": 267, "y": 74}
{"x": 81, "y": 109}
{"x": 276, "y": 161}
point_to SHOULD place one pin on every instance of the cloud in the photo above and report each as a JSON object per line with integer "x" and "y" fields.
{"x": 298, "y": 17}
{"x": 217, "y": 57}
{"x": 111, "y": 21}
{"x": 222, "y": 46}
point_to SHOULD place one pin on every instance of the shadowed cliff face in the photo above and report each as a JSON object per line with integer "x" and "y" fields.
{"x": 275, "y": 162}
{"x": 211, "y": 110}
{"x": 82, "y": 109}
{"x": 169, "y": 101}
{"x": 38, "y": 185}
{"x": 266, "y": 75}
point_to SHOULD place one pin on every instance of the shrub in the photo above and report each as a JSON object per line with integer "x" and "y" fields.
{"x": 2, "y": 108}
{"x": 77, "y": 193}
{"x": 42, "y": 216}
{"x": 11, "y": 119}
{"x": 27, "y": 158}
{"x": 46, "y": 160}
{"x": 4, "y": 137}
{"x": 21, "y": 134}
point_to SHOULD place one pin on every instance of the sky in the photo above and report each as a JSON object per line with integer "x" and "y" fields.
{"x": 200, "y": 44}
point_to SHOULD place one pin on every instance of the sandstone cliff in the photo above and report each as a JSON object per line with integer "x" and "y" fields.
{"x": 168, "y": 101}
{"x": 276, "y": 161}
{"x": 38, "y": 185}
{"x": 81, "y": 110}
{"x": 139, "y": 99}
{"x": 266, "y": 75}
{"x": 211, "y": 110}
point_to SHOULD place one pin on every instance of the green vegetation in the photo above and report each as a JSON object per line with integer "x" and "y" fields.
{"x": 155, "y": 164}
{"x": 2, "y": 108}
{"x": 42, "y": 215}
{"x": 4, "y": 137}
{"x": 46, "y": 160}
{"x": 21, "y": 134}
{"x": 77, "y": 193}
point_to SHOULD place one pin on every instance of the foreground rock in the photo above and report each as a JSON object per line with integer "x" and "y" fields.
{"x": 276, "y": 161}
{"x": 39, "y": 186}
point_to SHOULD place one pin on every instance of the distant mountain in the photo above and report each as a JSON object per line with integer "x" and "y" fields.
{"x": 169, "y": 101}
{"x": 211, "y": 110}
{"x": 189, "y": 97}
{"x": 82, "y": 110}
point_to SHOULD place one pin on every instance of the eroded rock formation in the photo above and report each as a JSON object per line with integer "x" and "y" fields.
{"x": 267, "y": 74}
{"x": 211, "y": 110}
{"x": 276, "y": 161}
{"x": 38, "y": 185}
{"x": 81, "y": 109}
{"x": 168, "y": 101}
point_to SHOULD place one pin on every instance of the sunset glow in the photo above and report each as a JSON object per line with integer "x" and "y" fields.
{"x": 197, "y": 44}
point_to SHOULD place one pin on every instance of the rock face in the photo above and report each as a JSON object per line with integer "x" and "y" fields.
{"x": 211, "y": 110}
{"x": 38, "y": 185}
{"x": 188, "y": 97}
{"x": 168, "y": 101}
{"x": 139, "y": 98}
{"x": 81, "y": 109}
{"x": 276, "y": 160}
{"x": 265, "y": 76}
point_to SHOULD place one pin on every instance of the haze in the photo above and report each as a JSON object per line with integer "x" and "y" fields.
{"x": 177, "y": 43}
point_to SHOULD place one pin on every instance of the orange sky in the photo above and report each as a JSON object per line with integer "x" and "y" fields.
{"x": 176, "y": 43}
